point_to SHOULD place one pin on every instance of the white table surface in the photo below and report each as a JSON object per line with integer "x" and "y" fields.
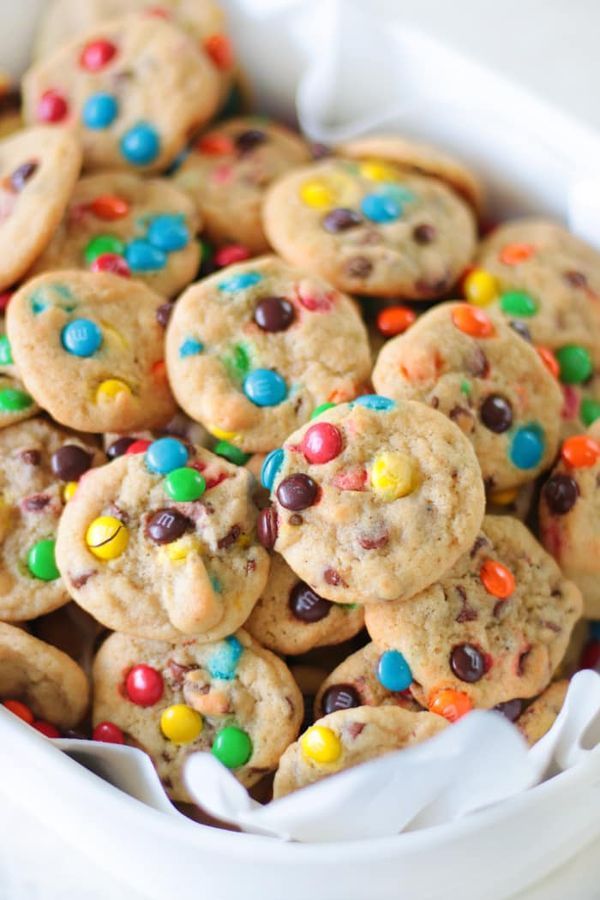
{"x": 548, "y": 46}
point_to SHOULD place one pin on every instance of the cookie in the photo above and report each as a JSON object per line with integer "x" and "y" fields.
{"x": 133, "y": 90}
{"x": 162, "y": 544}
{"x": 254, "y": 349}
{"x": 570, "y": 515}
{"x": 49, "y": 683}
{"x": 477, "y": 371}
{"x": 492, "y": 629}
{"x": 38, "y": 169}
{"x": 40, "y": 466}
{"x": 371, "y": 228}
{"x": 202, "y": 20}
{"x": 89, "y": 347}
{"x": 547, "y": 281}
{"x": 348, "y": 737}
{"x": 228, "y": 171}
{"x": 366, "y": 678}
{"x": 118, "y": 222}
{"x": 290, "y": 618}
{"x": 231, "y": 697}
{"x": 540, "y": 716}
{"x": 419, "y": 158}
{"x": 373, "y": 500}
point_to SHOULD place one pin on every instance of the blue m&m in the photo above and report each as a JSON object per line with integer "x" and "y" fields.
{"x": 143, "y": 257}
{"x": 270, "y": 468}
{"x": 527, "y": 447}
{"x": 264, "y": 387}
{"x": 239, "y": 282}
{"x": 381, "y": 207}
{"x": 168, "y": 232}
{"x": 140, "y": 145}
{"x": 223, "y": 661}
{"x": 166, "y": 454}
{"x": 374, "y": 401}
{"x": 190, "y": 347}
{"x": 99, "y": 111}
{"x": 81, "y": 337}
{"x": 393, "y": 672}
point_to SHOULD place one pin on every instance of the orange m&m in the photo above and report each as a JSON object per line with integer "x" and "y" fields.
{"x": 109, "y": 207}
{"x": 549, "y": 360}
{"x": 513, "y": 254}
{"x": 580, "y": 451}
{"x": 472, "y": 321}
{"x": 450, "y": 704}
{"x": 218, "y": 47}
{"x": 395, "y": 320}
{"x": 215, "y": 145}
{"x": 497, "y": 579}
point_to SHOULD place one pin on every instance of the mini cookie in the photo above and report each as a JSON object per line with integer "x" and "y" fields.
{"x": 290, "y": 618}
{"x": 419, "y": 158}
{"x": 40, "y": 466}
{"x": 252, "y": 350}
{"x": 367, "y": 678}
{"x": 540, "y": 716}
{"x": 487, "y": 379}
{"x": 228, "y": 171}
{"x": 47, "y": 681}
{"x": 570, "y": 515}
{"x": 133, "y": 90}
{"x": 348, "y": 737}
{"x": 494, "y": 628}
{"x": 124, "y": 224}
{"x": 89, "y": 346}
{"x": 547, "y": 281}
{"x": 232, "y": 697}
{"x": 373, "y": 500}
{"x": 38, "y": 169}
{"x": 371, "y": 228}
{"x": 162, "y": 544}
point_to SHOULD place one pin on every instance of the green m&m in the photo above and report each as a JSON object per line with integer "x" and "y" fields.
{"x": 6, "y": 358}
{"x": 101, "y": 244}
{"x": 323, "y": 407}
{"x": 14, "y": 400}
{"x": 518, "y": 303}
{"x": 231, "y": 452}
{"x": 184, "y": 484}
{"x": 590, "y": 411}
{"x": 232, "y": 746}
{"x": 41, "y": 561}
{"x": 575, "y": 364}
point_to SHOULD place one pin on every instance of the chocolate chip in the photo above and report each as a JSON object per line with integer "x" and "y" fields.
{"x": 167, "y": 525}
{"x": 522, "y": 661}
{"x": 334, "y": 578}
{"x": 295, "y": 519}
{"x": 70, "y": 462}
{"x": 177, "y": 672}
{"x": 297, "y": 492}
{"x": 424, "y": 233}
{"x": 432, "y": 288}
{"x": 266, "y": 527}
{"x": 31, "y": 457}
{"x": 230, "y": 538}
{"x": 163, "y": 314}
{"x": 274, "y": 314}
{"x": 373, "y": 542}
{"x": 560, "y": 493}
{"x": 119, "y": 447}
{"x": 496, "y": 413}
{"x": 467, "y": 663}
{"x": 21, "y": 175}
{"x": 462, "y": 417}
{"x": 250, "y": 566}
{"x": 353, "y": 729}
{"x": 306, "y": 605}
{"x": 79, "y": 581}
{"x": 521, "y": 329}
{"x": 246, "y": 141}
{"x": 340, "y": 696}
{"x": 576, "y": 279}
{"x": 35, "y": 502}
{"x": 480, "y": 541}
{"x": 512, "y": 709}
{"x": 358, "y": 267}
{"x": 340, "y": 219}
{"x": 478, "y": 364}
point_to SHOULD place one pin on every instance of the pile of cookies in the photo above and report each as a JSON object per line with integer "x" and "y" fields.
{"x": 292, "y": 441}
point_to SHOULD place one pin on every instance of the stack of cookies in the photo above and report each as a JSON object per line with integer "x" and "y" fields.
{"x": 292, "y": 441}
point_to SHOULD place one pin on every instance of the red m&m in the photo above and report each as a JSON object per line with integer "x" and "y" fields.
{"x": 322, "y": 443}
{"x": 52, "y": 107}
{"x": 97, "y": 54}
{"x": 45, "y": 728}
{"x": 111, "y": 262}
{"x": 144, "y": 685}
{"x": 108, "y": 733}
{"x": 19, "y": 709}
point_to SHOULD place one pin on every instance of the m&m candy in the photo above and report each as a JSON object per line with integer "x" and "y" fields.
{"x": 321, "y": 745}
{"x": 575, "y": 364}
{"x": 99, "y": 111}
{"x": 110, "y": 389}
{"x": 141, "y": 256}
{"x": 270, "y": 467}
{"x": 527, "y": 447}
{"x": 144, "y": 685}
{"x": 107, "y": 537}
{"x": 322, "y": 443}
{"x": 41, "y": 560}
{"x": 450, "y": 704}
{"x": 393, "y": 672}
{"x": 395, "y": 320}
{"x": 82, "y": 337}
{"x": 518, "y": 303}
{"x": 580, "y": 451}
{"x": 102, "y": 245}
{"x": 480, "y": 287}
{"x": 393, "y": 475}
{"x": 264, "y": 387}
{"x": 184, "y": 485}
{"x": 108, "y": 733}
{"x": 472, "y": 321}
{"x": 166, "y": 454}
{"x": 96, "y": 55}
{"x": 20, "y": 710}
{"x": 168, "y": 232}
{"x": 181, "y": 724}
{"x": 497, "y": 579}
{"x": 232, "y": 746}
{"x": 140, "y": 145}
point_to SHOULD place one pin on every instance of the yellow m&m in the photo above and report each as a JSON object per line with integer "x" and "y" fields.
{"x": 504, "y": 498}
{"x": 69, "y": 490}
{"x": 321, "y": 744}
{"x": 107, "y": 537}
{"x": 378, "y": 171}
{"x": 110, "y": 388}
{"x": 222, "y": 435}
{"x": 480, "y": 287}
{"x": 317, "y": 194}
{"x": 393, "y": 475}
{"x": 181, "y": 724}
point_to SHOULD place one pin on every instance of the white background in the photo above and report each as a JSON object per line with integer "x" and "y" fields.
{"x": 548, "y": 46}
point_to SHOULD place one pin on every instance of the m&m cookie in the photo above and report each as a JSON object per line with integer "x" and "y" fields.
{"x": 89, "y": 347}
{"x": 133, "y": 90}
{"x": 228, "y": 170}
{"x": 373, "y": 500}
{"x": 371, "y": 228}
{"x": 230, "y": 697}
{"x": 130, "y": 226}
{"x": 161, "y": 543}
{"x": 40, "y": 468}
{"x": 494, "y": 385}
{"x": 492, "y": 629}
{"x": 38, "y": 169}
{"x": 253, "y": 350}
